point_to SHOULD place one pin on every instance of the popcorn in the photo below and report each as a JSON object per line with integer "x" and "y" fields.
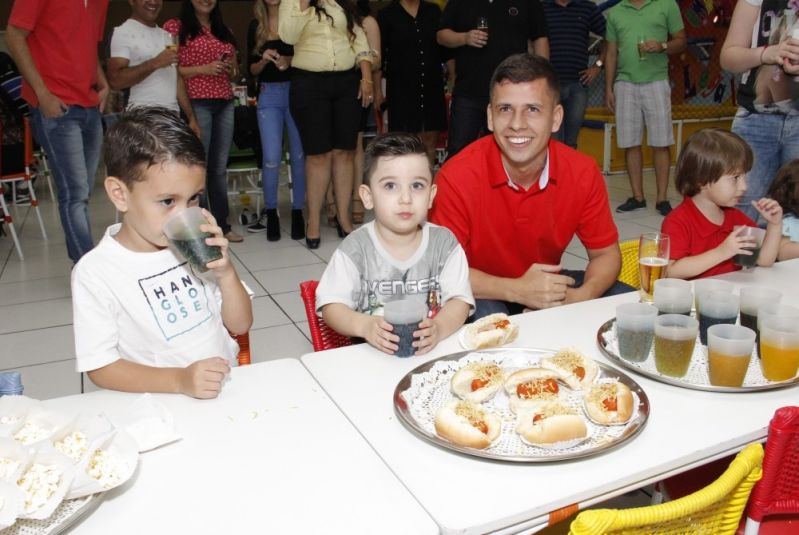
{"x": 73, "y": 445}
{"x": 8, "y": 420}
{"x": 32, "y": 432}
{"x": 105, "y": 468}
{"x": 39, "y": 483}
{"x": 7, "y": 468}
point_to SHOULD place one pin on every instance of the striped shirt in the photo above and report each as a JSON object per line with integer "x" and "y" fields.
{"x": 568, "y": 35}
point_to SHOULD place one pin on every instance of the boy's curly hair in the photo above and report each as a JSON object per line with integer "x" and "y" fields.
{"x": 785, "y": 187}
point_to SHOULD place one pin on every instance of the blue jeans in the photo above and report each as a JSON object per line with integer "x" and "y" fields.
{"x": 467, "y": 122}
{"x": 273, "y": 117}
{"x": 775, "y": 141}
{"x": 72, "y": 143}
{"x": 215, "y": 117}
{"x": 574, "y": 99}
{"x": 485, "y": 307}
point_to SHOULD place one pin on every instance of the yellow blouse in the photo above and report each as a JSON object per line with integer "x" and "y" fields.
{"x": 320, "y": 46}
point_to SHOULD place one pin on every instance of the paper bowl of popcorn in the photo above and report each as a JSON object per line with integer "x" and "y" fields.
{"x": 13, "y": 410}
{"x": 40, "y": 425}
{"x": 13, "y": 459}
{"x": 110, "y": 462}
{"x": 11, "y": 503}
{"x": 44, "y": 482}
{"x": 75, "y": 439}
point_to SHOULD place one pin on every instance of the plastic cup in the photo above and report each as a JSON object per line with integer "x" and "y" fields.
{"x": 773, "y": 310}
{"x": 404, "y": 315}
{"x": 10, "y": 384}
{"x": 749, "y": 261}
{"x": 729, "y": 350}
{"x": 717, "y": 308}
{"x": 752, "y": 299}
{"x": 779, "y": 348}
{"x": 673, "y": 296}
{"x": 183, "y": 232}
{"x": 675, "y": 337}
{"x": 635, "y": 329}
{"x": 703, "y": 286}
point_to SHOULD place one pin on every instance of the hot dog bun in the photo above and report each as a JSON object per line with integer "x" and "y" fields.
{"x": 570, "y": 364}
{"x": 530, "y": 387}
{"x": 456, "y": 422}
{"x": 490, "y": 331}
{"x": 550, "y": 423}
{"x": 603, "y": 413}
{"x": 477, "y": 372}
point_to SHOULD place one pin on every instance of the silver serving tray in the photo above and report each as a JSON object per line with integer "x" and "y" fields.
{"x": 683, "y": 382}
{"x": 65, "y": 516}
{"x": 628, "y": 430}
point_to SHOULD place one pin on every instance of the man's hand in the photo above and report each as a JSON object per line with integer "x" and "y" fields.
{"x": 476, "y": 38}
{"x": 610, "y": 101}
{"x": 542, "y": 287}
{"x": 377, "y": 332}
{"x": 167, "y": 57}
{"x": 51, "y": 106}
{"x": 203, "y": 379}
{"x": 588, "y": 75}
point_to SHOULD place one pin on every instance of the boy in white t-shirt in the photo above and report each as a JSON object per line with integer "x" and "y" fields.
{"x": 144, "y": 320}
{"x": 398, "y": 254}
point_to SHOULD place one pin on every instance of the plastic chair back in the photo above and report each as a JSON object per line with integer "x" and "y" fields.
{"x": 629, "y": 264}
{"x": 715, "y": 509}
{"x": 322, "y": 336}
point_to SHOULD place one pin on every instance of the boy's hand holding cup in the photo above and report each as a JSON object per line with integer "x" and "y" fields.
{"x": 195, "y": 234}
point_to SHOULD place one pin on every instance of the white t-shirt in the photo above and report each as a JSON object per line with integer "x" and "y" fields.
{"x": 137, "y": 43}
{"x": 149, "y": 308}
{"x": 363, "y": 275}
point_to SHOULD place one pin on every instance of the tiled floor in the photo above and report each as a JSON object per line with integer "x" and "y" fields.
{"x": 36, "y": 310}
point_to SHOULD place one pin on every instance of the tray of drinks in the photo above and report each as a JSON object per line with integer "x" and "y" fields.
{"x": 687, "y": 363}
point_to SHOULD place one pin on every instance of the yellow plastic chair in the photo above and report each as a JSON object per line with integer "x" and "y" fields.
{"x": 715, "y": 509}
{"x": 629, "y": 264}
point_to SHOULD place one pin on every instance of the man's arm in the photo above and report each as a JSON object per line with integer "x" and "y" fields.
{"x": 102, "y": 88}
{"x": 611, "y": 59}
{"x": 452, "y": 39}
{"x": 121, "y": 75}
{"x": 185, "y": 105}
{"x": 539, "y": 47}
{"x": 16, "y": 39}
{"x": 600, "y": 274}
{"x": 540, "y": 287}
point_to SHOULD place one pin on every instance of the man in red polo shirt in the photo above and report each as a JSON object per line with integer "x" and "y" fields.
{"x": 516, "y": 199}
{"x": 54, "y": 43}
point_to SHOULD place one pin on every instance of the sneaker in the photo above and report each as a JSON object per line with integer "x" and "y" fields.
{"x": 631, "y": 204}
{"x": 663, "y": 208}
{"x": 272, "y": 225}
{"x": 233, "y": 237}
{"x": 260, "y": 225}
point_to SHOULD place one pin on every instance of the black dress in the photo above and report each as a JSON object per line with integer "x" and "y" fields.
{"x": 412, "y": 66}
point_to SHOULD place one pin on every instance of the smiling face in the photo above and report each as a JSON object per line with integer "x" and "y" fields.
{"x": 400, "y": 191}
{"x": 727, "y": 190}
{"x": 203, "y": 7}
{"x": 523, "y": 116}
{"x": 145, "y": 11}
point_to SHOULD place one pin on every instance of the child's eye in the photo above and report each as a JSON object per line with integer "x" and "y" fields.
{"x": 167, "y": 202}
{"x": 418, "y": 186}
{"x": 195, "y": 199}
{"x": 390, "y": 186}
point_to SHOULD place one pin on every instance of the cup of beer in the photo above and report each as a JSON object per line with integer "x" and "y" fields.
{"x": 752, "y": 299}
{"x": 641, "y": 52}
{"x": 404, "y": 315}
{"x": 757, "y": 235}
{"x": 673, "y": 296}
{"x": 183, "y": 232}
{"x": 653, "y": 257}
{"x": 729, "y": 350}
{"x": 635, "y": 329}
{"x": 717, "y": 308}
{"x": 482, "y": 24}
{"x": 779, "y": 348}
{"x": 703, "y": 286}
{"x": 173, "y": 42}
{"x": 675, "y": 337}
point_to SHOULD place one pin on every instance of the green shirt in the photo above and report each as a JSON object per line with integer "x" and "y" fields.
{"x": 654, "y": 20}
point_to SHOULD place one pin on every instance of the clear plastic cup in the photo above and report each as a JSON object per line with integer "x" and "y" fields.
{"x": 729, "y": 350}
{"x": 183, "y": 232}
{"x": 703, "y": 286}
{"x": 779, "y": 347}
{"x": 404, "y": 315}
{"x": 675, "y": 338}
{"x": 673, "y": 296}
{"x": 752, "y": 298}
{"x": 717, "y": 308}
{"x": 635, "y": 329}
{"x": 749, "y": 261}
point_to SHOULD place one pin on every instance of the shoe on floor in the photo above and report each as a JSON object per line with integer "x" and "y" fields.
{"x": 631, "y": 204}
{"x": 663, "y": 208}
{"x": 260, "y": 225}
{"x": 297, "y": 225}
{"x": 272, "y": 225}
{"x": 233, "y": 237}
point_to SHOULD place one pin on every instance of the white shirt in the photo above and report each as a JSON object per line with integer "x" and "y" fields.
{"x": 137, "y": 43}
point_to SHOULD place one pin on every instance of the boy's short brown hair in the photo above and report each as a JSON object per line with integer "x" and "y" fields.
{"x": 708, "y": 155}
{"x": 388, "y": 146}
{"x": 785, "y": 187}
{"x": 146, "y": 136}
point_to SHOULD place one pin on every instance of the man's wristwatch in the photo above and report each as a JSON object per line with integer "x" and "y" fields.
{"x": 664, "y": 46}
{"x": 599, "y": 63}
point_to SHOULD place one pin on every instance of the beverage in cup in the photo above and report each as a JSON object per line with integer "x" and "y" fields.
{"x": 482, "y": 24}
{"x": 675, "y": 337}
{"x": 673, "y": 296}
{"x": 635, "y": 329}
{"x": 717, "y": 308}
{"x": 172, "y": 42}
{"x": 404, "y": 315}
{"x": 183, "y": 232}
{"x": 653, "y": 257}
{"x": 729, "y": 350}
{"x": 779, "y": 348}
{"x": 703, "y": 286}
{"x": 641, "y": 53}
{"x": 752, "y": 299}
{"x": 773, "y": 310}
{"x": 748, "y": 261}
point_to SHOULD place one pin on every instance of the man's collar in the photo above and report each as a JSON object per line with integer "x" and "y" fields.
{"x": 499, "y": 176}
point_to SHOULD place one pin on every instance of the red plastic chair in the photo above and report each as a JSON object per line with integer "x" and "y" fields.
{"x": 322, "y": 336}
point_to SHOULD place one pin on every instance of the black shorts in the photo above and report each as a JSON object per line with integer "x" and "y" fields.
{"x": 326, "y": 109}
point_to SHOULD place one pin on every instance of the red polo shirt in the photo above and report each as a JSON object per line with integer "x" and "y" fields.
{"x": 63, "y": 43}
{"x": 692, "y": 233}
{"x": 504, "y": 230}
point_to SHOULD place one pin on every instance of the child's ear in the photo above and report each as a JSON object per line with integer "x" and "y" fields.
{"x": 366, "y": 196}
{"x": 117, "y": 192}
{"x": 433, "y": 192}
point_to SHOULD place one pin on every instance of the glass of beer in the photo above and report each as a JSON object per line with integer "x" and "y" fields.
{"x": 183, "y": 232}
{"x": 675, "y": 337}
{"x": 703, "y": 286}
{"x": 757, "y": 234}
{"x": 404, "y": 315}
{"x": 729, "y": 350}
{"x": 641, "y": 53}
{"x": 482, "y": 24}
{"x": 635, "y": 329}
{"x": 653, "y": 257}
{"x": 673, "y": 296}
{"x": 717, "y": 308}
{"x": 779, "y": 348}
{"x": 172, "y": 42}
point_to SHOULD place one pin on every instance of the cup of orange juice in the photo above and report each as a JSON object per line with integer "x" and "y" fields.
{"x": 729, "y": 350}
{"x": 779, "y": 348}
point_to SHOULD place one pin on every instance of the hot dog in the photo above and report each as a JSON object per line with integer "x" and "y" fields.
{"x": 550, "y": 423}
{"x": 491, "y": 331}
{"x": 530, "y": 387}
{"x": 477, "y": 381}
{"x": 467, "y": 424}
{"x": 576, "y": 370}
{"x": 609, "y": 403}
